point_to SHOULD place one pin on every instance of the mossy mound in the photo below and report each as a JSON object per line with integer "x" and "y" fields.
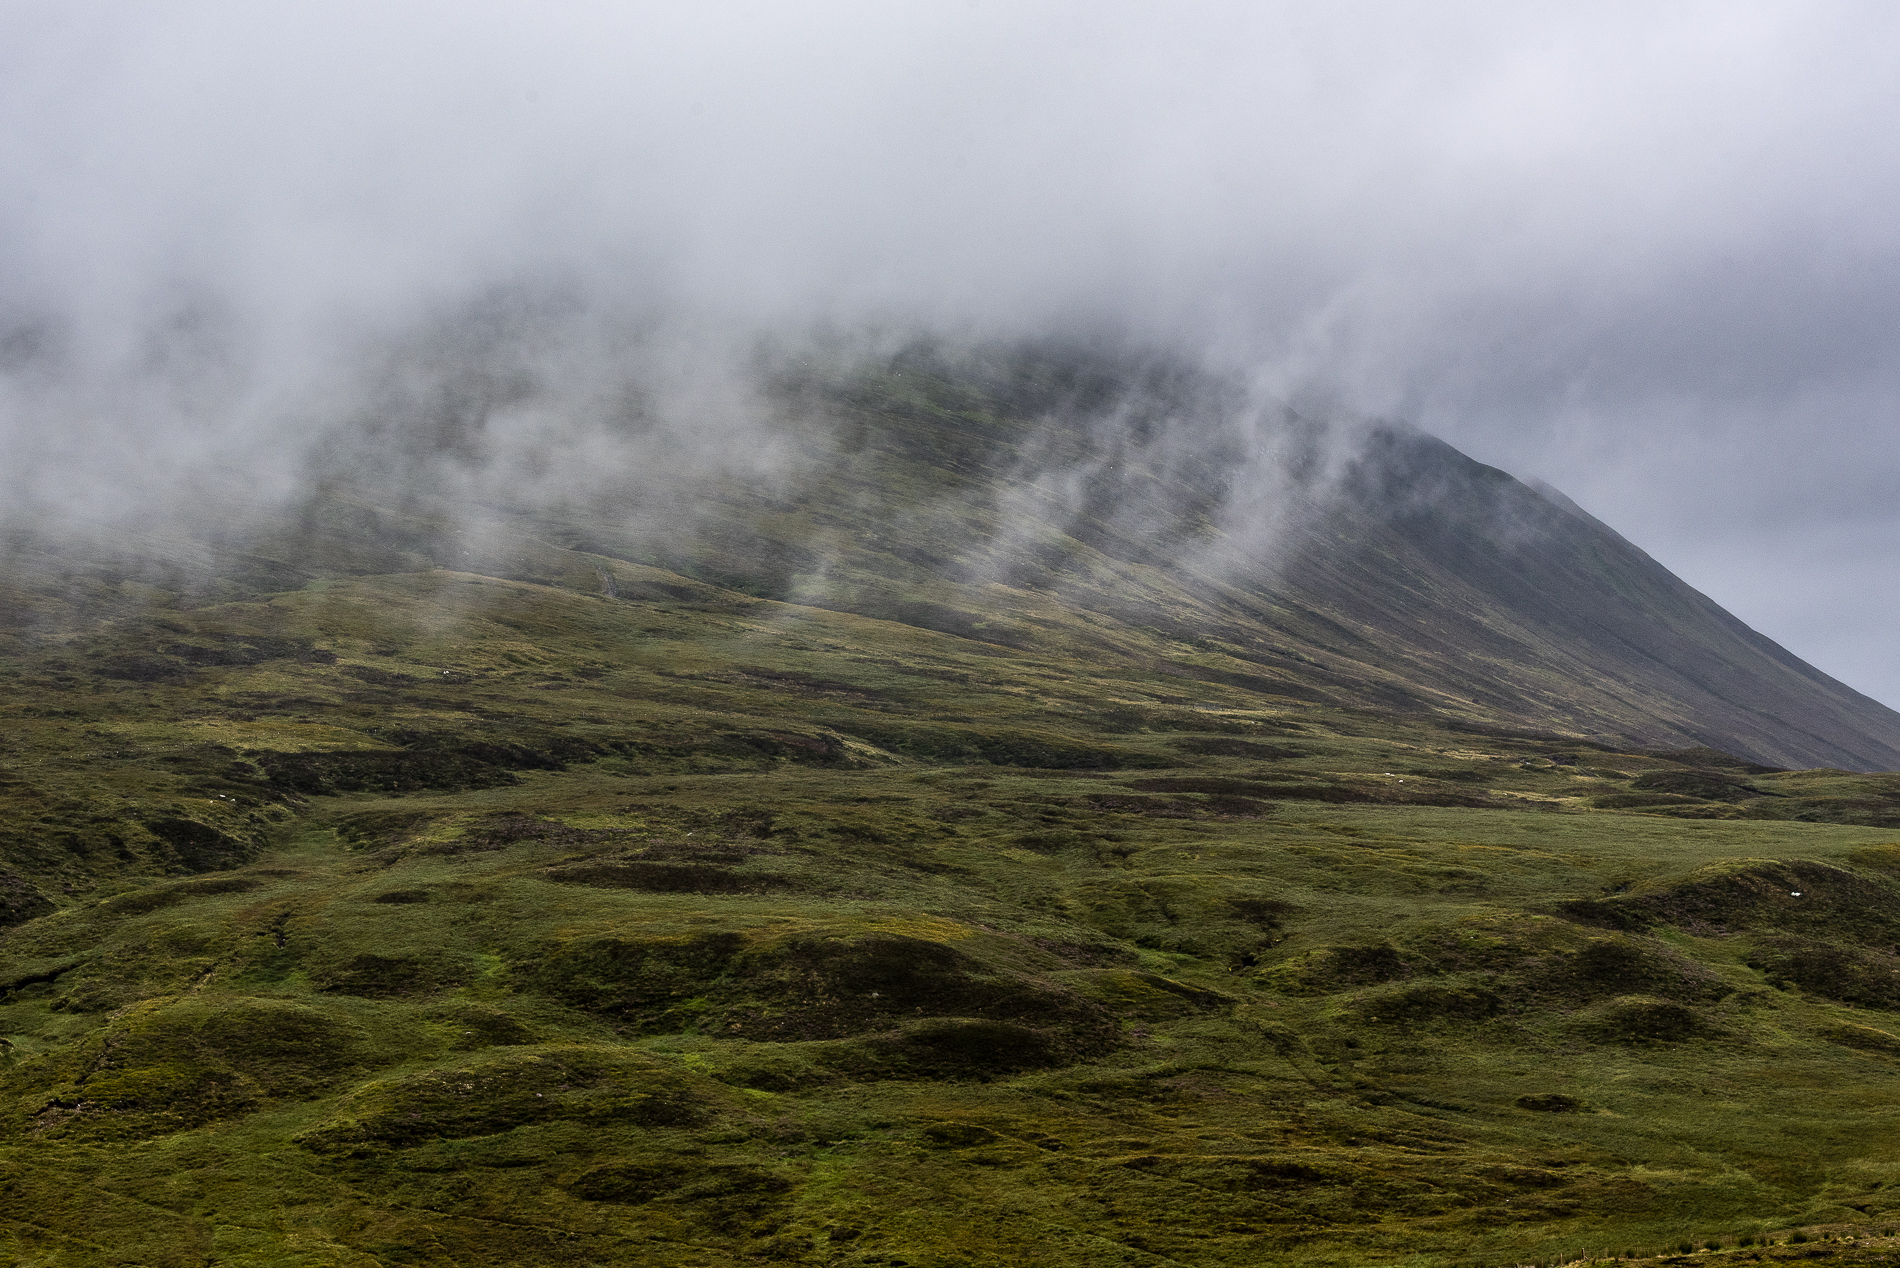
{"x": 1427, "y": 1003}
{"x": 1857, "y": 976}
{"x": 375, "y": 975}
{"x": 1796, "y": 894}
{"x": 1325, "y": 970}
{"x": 167, "y": 1066}
{"x": 1643, "y": 1019}
{"x": 833, "y": 986}
{"x": 488, "y": 1095}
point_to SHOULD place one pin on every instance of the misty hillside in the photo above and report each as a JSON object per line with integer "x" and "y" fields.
{"x": 1058, "y": 499}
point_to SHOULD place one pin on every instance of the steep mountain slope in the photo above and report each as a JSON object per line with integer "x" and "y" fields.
{"x": 1382, "y": 569}
{"x": 1474, "y": 584}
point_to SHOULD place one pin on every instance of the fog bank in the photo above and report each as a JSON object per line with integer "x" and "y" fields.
{"x": 1644, "y": 253}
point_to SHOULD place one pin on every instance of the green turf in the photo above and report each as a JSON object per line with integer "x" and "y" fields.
{"x": 447, "y": 919}
{"x": 904, "y": 865}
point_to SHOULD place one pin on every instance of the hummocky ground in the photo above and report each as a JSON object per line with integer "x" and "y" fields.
{"x": 370, "y": 906}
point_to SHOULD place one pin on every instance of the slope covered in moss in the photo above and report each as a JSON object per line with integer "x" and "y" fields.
{"x": 697, "y": 928}
{"x": 406, "y": 887}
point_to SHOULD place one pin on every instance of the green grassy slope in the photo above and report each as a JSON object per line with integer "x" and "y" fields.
{"x": 968, "y": 848}
{"x": 438, "y": 917}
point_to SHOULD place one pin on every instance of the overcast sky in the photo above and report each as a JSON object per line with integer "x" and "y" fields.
{"x": 1644, "y": 251}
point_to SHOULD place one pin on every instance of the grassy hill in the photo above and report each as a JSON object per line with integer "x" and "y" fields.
{"x": 416, "y": 883}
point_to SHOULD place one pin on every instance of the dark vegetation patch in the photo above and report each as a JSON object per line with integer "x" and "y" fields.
{"x": 375, "y": 829}
{"x": 998, "y": 746}
{"x": 507, "y": 828}
{"x": 472, "y": 1026}
{"x": 1227, "y": 746}
{"x": 1135, "y": 803}
{"x": 191, "y": 1063}
{"x": 1213, "y": 784}
{"x": 213, "y": 769}
{"x": 953, "y": 1049}
{"x": 736, "y": 1199}
{"x": 950, "y": 1134}
{"x": 800, "y": 988}
{"x": 1428, "y": 1002}
{"x": 1528, "y": 965}
{"x": 1711, "y": 757}
{"x": 1621, "y": 966}
{"x": 792, "y": 681}
{"x": 162, "y": 896}
{"x": 636, "y": 982}
{"x": 1237, "y": 807}
{"x": 142, "y": 667}
{"x": 20, "y": 899}
{"x": 1550, "y": 1103}
{"x": 172, "y": 661}
{"x": 1797, "y": 895}
{"x": 1879, "y": 858}
{"x": 1131, "y": 994}
{"x": 722, "y": 1197}
{"x": 1242, "y": 1179}
{"x": 380, "y": 677}
{"x": 1641, "y": 800}
{"x": 1857, "y": 976}
{"x": 1325, "y": 970}
{"x": 661, "y": 877}
{"x": 627, "y": 858}
{"x": 752, "y": 746}
{"x": 831, "y": 987}
{"x": 1310, "y": 788}
{"x": 42, "y": 975}
{"x": 246, "y": 649}
{"x": 428, "y": 762}
{"x": 1639, "y": 1019}
{"x": 589, "y": 1086}
{"x": 1862, "y": 1038}
{"x": 199, "y": 847}
{"x": 1260, "y": 911}
{"x": 374, "y": 975}
{"x": 1407, "y": 795}
{"x": 1453, "y": 774}
{"x": 636, "y": 1183}
{"x": 965, "y": 1048}
{"x": 1192, "y": 806}
{"x": 1691, "y": 783}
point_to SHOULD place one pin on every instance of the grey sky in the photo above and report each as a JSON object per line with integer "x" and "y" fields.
{"x": 1646, "y": 252}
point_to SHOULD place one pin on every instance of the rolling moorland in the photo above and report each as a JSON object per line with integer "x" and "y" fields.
{"x": 925, "y": 862}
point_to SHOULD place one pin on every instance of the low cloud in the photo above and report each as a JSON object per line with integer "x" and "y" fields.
{"x": 1644, "y": 253}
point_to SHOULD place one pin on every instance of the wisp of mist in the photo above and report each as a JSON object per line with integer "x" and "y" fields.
{"x": 489, "y": 251}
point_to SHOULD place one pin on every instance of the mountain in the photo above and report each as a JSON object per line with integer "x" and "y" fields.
{"x": 1054, "y": 498}
{"x": 1017, "y": 808}
{"x": 1384, "y": 569}
{"x": 1377, "y": 567}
